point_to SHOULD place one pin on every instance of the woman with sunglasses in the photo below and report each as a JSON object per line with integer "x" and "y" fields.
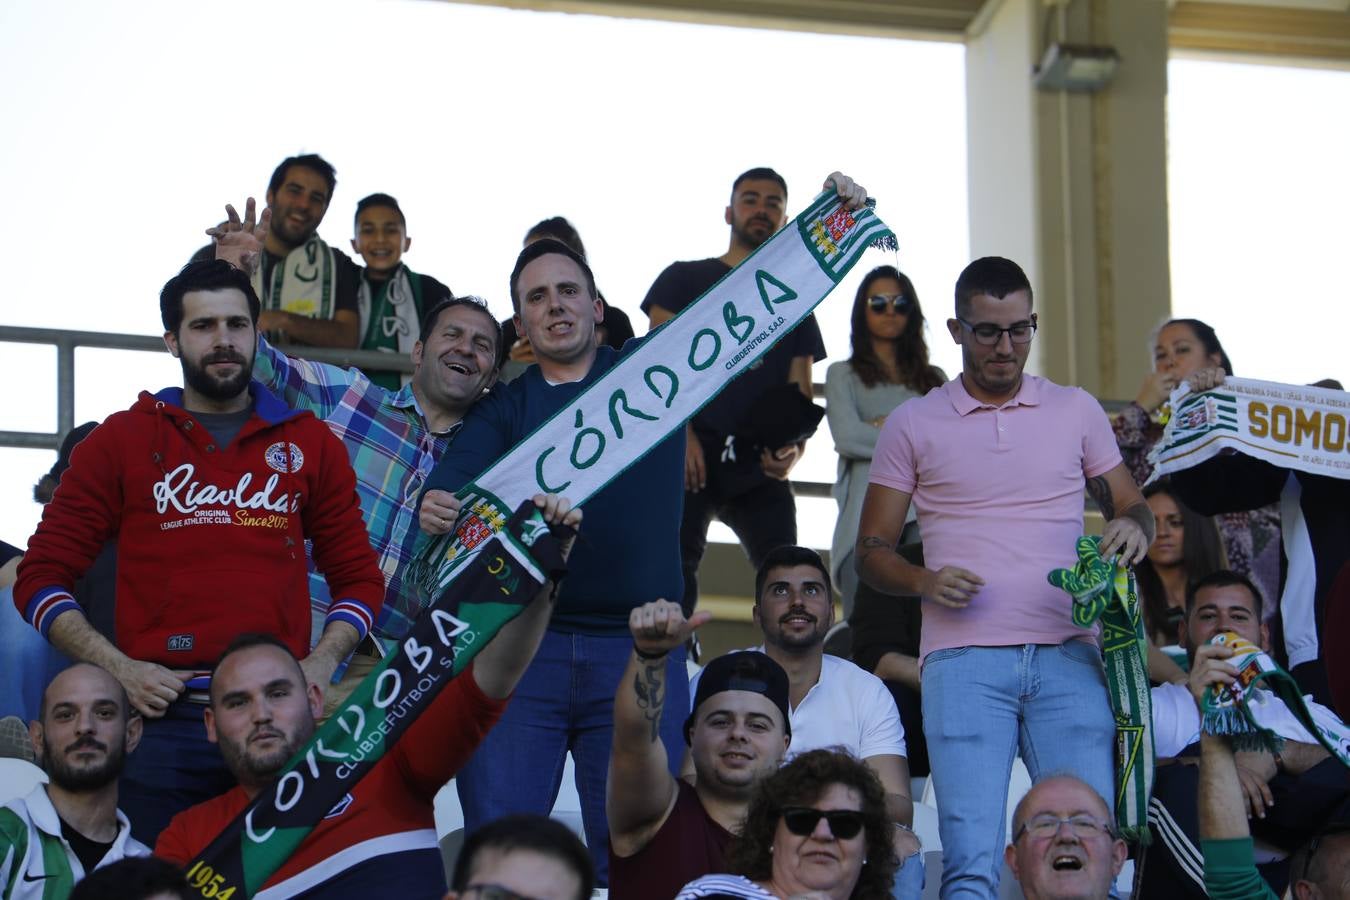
{"x": 818, "y": 826}
{"x": 889, "y": 365}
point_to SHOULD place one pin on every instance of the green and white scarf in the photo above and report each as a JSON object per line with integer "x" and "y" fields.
{"x": 304, "y": 282}
{"x": 1289, "y": 425}
{"x": 1225, "y": 710}
{"x": 1102, "y": 590}
{"x": 652, "y": 391}
{"x": 500, "y": 582}
{"x": 389, "y": 311}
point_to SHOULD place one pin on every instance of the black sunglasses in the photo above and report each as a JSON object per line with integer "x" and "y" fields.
{"x": 900, "y": 303}
{"x": 844, "y": 823}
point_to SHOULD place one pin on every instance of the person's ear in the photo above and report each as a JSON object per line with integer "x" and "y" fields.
{"x": 407, "y": 243}
{"x": 209, "y": 718}
{"x": 1264, "y": 634}
{"x": 1118, "y": 853}
{"x": 356, "y": 247}
{"x": 314, "y": 693}
{"x": 727, "y": 215}
{"x": 1182, "y": 635}
{"x": 1010, "y": 859}
{"x": 416, "y": 355}
{"x": 135, "y": 728}
{"x": 35, "y": 738}
{"x": 171, "y": 341}
{"x": 954, "y": 329}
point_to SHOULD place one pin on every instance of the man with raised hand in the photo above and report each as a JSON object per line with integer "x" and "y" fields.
{"x": 996, "y": 462}
{"x": 307, "y": 287}
{"x": 1288, "y": 796}
{"x": 1065, "y": 845}
{"x": 1320, "y": 870}
{"x": 832, "y": 702}
{"x": 751, "y": 496}
{"x": 625, "y": 557}
{"x": 393, "y": 437}
{"x": 665, "y": 832}
{"x": 380, "y": 839}
{"x": 71, "y": 825}
{"x": 212, "y": 490}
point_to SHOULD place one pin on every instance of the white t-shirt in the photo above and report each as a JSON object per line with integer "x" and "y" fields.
{"x": 847, "y": 707}
{"x": 1176, "y": 721}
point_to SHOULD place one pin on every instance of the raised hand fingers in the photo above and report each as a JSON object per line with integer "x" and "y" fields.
{"x": 557, "y": 510}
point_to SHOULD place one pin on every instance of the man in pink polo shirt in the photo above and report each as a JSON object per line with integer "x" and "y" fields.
{"x": 995, "y": 462}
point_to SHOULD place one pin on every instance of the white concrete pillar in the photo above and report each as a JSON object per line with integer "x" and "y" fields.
{"x": 1074, "y": 186}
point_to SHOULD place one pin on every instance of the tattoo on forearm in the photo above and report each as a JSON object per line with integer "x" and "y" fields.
{"x": 1143, "y": 517}
{"x": 870, "y": 543}
{"x": 1100, "y": 492}
{"x": 649, "y": 685}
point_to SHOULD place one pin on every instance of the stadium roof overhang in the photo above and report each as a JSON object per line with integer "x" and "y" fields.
{"x": 1312, "y": 32}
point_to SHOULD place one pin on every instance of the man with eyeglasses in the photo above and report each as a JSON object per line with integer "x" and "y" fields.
{"x": 393, "y": 437}
{"x": 751, "y": 496}
{"x": 996, "y": 462}
{"x": 1064, "y": 844}
{"x": 1286, "y": 796}
{"x": 522, "y": 857}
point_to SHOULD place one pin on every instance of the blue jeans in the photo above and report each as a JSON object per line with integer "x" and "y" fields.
{"x": 564, "y": 702}
{"x": 174, "y": 767}
{"x": 908, "y": 883}
{"x": 27, "y": 662}
{"x": 981, "y": 705}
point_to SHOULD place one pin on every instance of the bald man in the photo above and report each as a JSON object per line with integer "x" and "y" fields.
{"x": 1064, "y": 842}
{"x": 71, "y": 825}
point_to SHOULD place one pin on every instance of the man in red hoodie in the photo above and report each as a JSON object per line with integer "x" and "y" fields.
{"x": 211, "y": 491}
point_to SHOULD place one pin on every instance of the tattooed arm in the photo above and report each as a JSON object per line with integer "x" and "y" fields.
{"x": 1129, "y": 521}
{"x": 879, "y": 527}
{"x": 640, "y": 791}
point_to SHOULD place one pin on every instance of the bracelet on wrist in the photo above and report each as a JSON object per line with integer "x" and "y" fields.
{"x": 649, "y": 657}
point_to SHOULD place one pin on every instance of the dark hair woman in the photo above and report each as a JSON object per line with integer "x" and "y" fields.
{"x": 889, "y": 365}
{"x": 1182, "y": 347}
{"x": 818, "y": 825}
{"x": 1186, "y": 548}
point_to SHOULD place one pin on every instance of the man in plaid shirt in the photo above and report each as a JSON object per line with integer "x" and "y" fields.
{"x": 394, "y": 439}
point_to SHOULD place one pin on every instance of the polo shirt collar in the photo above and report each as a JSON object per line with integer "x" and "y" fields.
{"x": 1028, "y": 394}
{"x": 404, "y": 398}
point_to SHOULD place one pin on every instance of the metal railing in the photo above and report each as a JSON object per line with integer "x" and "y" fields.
{"x": 66, "y": 343}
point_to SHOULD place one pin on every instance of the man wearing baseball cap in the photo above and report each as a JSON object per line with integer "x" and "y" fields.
{"x": 664, "y": 832}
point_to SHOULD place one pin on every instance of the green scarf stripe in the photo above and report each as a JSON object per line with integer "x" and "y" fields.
{"x": 1226, "y": 711}
{"x": 1105, "y": 592}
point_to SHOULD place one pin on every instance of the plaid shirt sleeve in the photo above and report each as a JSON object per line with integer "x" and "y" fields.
{"x": 317, "y": 387}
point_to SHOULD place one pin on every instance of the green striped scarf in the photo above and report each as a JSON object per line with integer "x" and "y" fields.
{"x": 1102, "y": 590}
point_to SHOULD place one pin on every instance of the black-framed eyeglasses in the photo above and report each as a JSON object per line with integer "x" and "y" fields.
{"x": 1330, "y": 830}
{"x": 1047, "y": 826}
{"x": 898, "y": 302}
{"x": 989, "y": 334}
{"x": 844, "y": 823}
{"x": 492, "y": 892}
